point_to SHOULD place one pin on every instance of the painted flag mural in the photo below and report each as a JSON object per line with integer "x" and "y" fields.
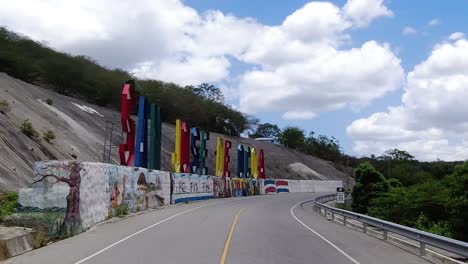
{"x": 282, "y": 186}
{"x": 270, "y": 186}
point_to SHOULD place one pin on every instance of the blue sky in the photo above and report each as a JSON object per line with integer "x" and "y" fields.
{"x": 411, "y": 49}
{"x": 375, "y": 74}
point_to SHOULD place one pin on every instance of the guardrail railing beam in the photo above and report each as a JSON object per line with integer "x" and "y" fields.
{"x": 424, "y": 238}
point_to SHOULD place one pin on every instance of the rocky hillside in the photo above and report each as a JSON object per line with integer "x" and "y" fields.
{"x": 80, "y": 129}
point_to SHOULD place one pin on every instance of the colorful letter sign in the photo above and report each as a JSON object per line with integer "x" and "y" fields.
{"x": 155, "y": 138}
{"x": 141, "y": 147}
{"x": 227, "y": 158}
{"x": 126, "y": 150}
{"x": 175, "y": 157}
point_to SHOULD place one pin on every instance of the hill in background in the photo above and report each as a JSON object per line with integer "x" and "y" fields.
{"x": 79, "y": 129}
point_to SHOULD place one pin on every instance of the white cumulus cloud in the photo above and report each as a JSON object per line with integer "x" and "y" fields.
{"x": 362, "y": 12}
{"x": 409, "y": 30}
{"x": 434, "y": 22}
{"x": 299, "y": 115}
{"x": 431, "y": 122}
{"x": 299, "y": 67}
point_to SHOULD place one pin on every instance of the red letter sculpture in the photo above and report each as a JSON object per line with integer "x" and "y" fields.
{"x": 127, "y": 149}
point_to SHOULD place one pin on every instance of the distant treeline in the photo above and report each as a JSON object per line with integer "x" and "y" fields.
{"x": 81, "y": 77}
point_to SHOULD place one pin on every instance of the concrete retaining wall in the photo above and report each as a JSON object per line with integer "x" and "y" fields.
{"x": 87, "y": 193}
{"x": 190, "y": 187}
{"x": 99, "y": 190}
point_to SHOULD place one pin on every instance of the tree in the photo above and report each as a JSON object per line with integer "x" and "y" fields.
{"x": 208, "y": 91}
{"x": 71, "y": 223}
{"x": 267, "y": 130}
{"x": 369, "y": 185}
{"x": 457, "y": 184}
{"x": 397, "y": 155}
{"x": 323, "y": 147}
{"x": 293, "y": 137}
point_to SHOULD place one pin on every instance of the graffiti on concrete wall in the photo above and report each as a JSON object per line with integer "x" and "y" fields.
{"x": 282, "y": 186}
{"x": 69, "y": 174}
{"x": 270, "y": 186}
{"x": 222, "y": 187}
{"x": 90, "y": 192}
{"x": 190, "y": 187}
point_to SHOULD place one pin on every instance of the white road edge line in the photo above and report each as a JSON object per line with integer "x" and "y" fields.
{"x": 320, "y": 236}
{"x": 146, "y": 228}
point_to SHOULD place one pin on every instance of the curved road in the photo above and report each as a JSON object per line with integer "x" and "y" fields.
{"x": 249, "y": 230}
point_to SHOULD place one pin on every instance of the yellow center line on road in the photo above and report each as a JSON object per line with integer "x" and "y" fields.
{"x": 228, "y": 240}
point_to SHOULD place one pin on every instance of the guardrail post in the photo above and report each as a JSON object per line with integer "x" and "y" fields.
{"x": 344, "y": 220}
{"x": 422, "y": 248}
{"x": 385, "y": 235}
{"x": 333, "y": 217}
{"x": 364, "y": 227}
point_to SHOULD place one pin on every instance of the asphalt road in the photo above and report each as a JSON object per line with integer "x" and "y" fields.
{"x": 250, "y": 230}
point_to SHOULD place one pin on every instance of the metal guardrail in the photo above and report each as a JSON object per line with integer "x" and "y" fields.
{"x": 424, "y": 238}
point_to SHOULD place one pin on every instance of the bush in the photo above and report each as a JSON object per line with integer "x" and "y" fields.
{"x": 121, "y": 210}
{"x": 28, "y": 129}
{"x": 48, "y": 136}
{"x": 4, "y": 107}
{"x": 49, "y": 101}
{"x": 8, "y": 204}
{"x": 441, "y": 228}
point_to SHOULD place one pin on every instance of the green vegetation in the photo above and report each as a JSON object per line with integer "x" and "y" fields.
{"x": 8, "y": 203}
{"x": 435, "y": 205}
{"x": 121, "y": 210}
{"x": 4, "y": 107}
{"x": 432, "y": 196}
{"x": 267, "y": 130}
{"x": 48, "y": 136}
{"x": 293, "y": 137}
{"x": 81, "y": 77}
{"x": 369, "y": 185}
{"x": 28, "y": 129}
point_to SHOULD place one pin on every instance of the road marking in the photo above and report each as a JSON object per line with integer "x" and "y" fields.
{"x": 149, "y": 227}
{"x": 228, "y": 240}
{"x": 320, "y": 236}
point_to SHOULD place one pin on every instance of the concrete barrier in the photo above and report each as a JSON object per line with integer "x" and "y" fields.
{"x": 191, "y": 187}
{"x": 85, "y": 193}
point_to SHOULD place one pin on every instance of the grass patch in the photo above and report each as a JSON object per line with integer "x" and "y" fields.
{"x": 121, "y": 210}
{"x": 28, "y": 129}
{"x": 4, "y": 107}
{"x": 8, "y": 204}
{"x": 48, "y": 136}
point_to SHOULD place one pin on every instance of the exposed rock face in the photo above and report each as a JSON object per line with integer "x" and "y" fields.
{"x": 80, "y": 129}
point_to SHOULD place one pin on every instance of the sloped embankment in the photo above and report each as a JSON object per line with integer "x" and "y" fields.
{"x": 79, "y": 128}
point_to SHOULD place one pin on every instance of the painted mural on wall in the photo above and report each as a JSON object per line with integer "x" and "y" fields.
{"x": 270, "y": 186}
{"x": 81, "y": 194}
{"x": 88, "y": 193}
{"x": 190, "y": 187}
{"x": 282, "y": 186}
{"x": 67, "y": 173}
{"x": 222, "y": 187}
